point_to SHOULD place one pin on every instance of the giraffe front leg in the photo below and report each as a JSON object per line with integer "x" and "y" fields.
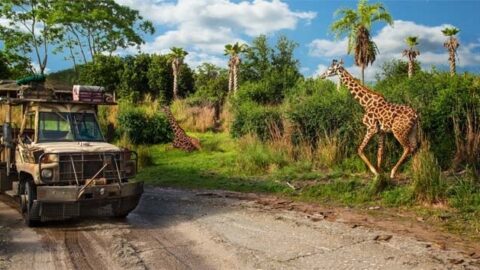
{"x": 365, "y": 141}
{"x": 381, "y": 145}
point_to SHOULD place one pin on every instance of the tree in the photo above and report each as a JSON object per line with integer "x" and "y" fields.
{"x": 411, "y": 53}
{"x": 160, "y": 77}
{"x": 98, "y": 26}
{"x": 211, "y": 87}
{"x": 13, "y": 66}
{"x": 176, "y": 57}
{"x": 451, "y": 45}
{"x": 257, "y": 62}
{"x": 30, "y": 29}
{"x": 356, "y": 24}
{"x": 234, "y": 51}
{"x": 285, "y": 66}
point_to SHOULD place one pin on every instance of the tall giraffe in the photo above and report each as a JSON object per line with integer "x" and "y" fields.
{"x": 380, "y": 117}
{"x": 180, "y": 140}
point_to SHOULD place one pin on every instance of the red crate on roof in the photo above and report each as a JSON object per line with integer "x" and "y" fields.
{"x": 88, "y": 93}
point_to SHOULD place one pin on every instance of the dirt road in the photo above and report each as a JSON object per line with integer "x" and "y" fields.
{"x": 175, "y": 229}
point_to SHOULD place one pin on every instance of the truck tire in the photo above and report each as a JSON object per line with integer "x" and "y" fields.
{"x": 29, "y": 194}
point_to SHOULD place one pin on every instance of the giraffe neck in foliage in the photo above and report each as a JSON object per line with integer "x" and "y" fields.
{"x": 360, "y": 93}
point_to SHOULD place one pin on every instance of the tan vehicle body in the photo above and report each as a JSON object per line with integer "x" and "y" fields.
{"x": 68, "y": 177}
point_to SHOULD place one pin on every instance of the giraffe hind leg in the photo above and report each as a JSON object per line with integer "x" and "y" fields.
{"x": 404, "y": 139}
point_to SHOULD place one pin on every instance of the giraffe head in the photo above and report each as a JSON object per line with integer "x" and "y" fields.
{"x": 333, "y": 70}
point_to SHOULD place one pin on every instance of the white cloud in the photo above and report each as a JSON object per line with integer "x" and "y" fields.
{"x": 391, "y": 42}
{"x": 205, "y": 26}
{"x": 328, "y": 48}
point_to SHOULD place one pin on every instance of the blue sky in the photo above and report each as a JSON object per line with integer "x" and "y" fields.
{"x": 204, "y": 26}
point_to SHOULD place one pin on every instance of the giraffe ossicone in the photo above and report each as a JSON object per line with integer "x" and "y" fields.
{"x": 380, "y": 117}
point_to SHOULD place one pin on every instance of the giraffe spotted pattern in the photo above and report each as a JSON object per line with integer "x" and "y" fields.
{"x": 380, "y": 117}
{"x": 180, "y": 140}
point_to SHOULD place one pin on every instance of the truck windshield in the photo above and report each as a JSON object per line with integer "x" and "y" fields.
{"x": 61, "y": 126}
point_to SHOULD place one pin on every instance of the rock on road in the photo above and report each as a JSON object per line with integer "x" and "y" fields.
{"x": 178, "y": 229}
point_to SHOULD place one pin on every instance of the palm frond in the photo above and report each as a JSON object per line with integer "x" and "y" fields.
{"x": 450, "y": 31}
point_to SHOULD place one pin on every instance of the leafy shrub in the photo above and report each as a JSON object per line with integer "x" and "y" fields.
{"x": 255, "y": 119}
{"x": 143, "y": 129}
{"x": 318, "y": 110}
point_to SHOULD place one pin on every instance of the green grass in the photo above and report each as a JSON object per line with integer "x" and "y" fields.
{"x": 214, "y": 167}
{"x": 221, "y": 165}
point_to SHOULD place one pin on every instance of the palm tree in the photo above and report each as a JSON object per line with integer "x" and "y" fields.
{"x": 411, "y": 53}
{"x": 356, "y": 24}
{"x": 176, "y": 57}
{"x": 234, "y": 51}
{"x": 451, "y": 45}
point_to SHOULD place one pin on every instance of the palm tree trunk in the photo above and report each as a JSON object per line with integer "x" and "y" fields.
{"x": 230, "y": 80}
{"x": 410, "y": 68}
{"x": 175, "y": 85}
{"x": 235, "y": 79}
{"x": 453, "y": 67}
{"x": 363, "y": 74}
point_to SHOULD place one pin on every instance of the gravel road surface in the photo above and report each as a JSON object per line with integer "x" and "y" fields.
{"x": 178, "y": 229}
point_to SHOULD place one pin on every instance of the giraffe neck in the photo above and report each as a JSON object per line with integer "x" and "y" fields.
{"x": 360, "y": 93}
{"x": 171, "y": 119}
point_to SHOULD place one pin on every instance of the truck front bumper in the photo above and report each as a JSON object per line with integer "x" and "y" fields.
{"x": 60, "y": 202}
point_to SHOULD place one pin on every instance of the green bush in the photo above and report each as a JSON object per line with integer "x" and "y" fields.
{"x": 317, "y": 109}
{"x": 143, "y": 129}
{"x": 440, "y": 99}
{"x": 255, "y": 119}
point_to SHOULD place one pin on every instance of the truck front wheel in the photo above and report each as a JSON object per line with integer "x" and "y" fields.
{"x": 29, "y": 194}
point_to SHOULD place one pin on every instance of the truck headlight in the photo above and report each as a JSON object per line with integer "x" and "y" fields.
{"x": 47, "y": 173}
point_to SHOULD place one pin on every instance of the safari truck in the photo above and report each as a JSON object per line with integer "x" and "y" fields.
{"x": 53, "y": 157}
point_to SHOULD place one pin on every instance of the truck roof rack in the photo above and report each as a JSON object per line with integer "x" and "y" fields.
{"x": 43, "y": 92}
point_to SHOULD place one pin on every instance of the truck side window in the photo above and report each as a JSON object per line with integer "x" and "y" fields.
{"x": 29, "y": 131}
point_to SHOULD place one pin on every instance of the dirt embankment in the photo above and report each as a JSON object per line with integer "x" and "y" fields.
{"x": 177, "y": 229}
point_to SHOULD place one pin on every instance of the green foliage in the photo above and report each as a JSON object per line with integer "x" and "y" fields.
{"x": 254, "y": 119}
{"x": 135, "y": 77}
{"x": 90, "y": 28}
{"x": 143, "y": 129}
{"x": 256, "y": 157}
{"x": 465, "y": 195}
{"x": 316, "y": 108}
{"x": 211, "y": 86}
{"x": 105, "y": 71}
{"x": 82, "y": 27}
{"x": 21, "y": 34}
{"x": 427, "y": 180}
{"x": 440, "y": 99}
{"x": 13, "y": 66}
{"x": 268, "y": 73}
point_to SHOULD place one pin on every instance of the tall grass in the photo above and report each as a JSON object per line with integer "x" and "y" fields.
{"x": 428, "y": 182}
{"x": 286, "y": 147}
{"x": 194, "y": 118}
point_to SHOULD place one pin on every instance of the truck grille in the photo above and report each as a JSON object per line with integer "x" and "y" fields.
{"x": 79, "y": 167}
